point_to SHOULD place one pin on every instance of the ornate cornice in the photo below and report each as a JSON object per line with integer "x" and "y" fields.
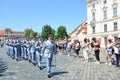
{"x": 89, "y": 1}
{"x": 115, "y": 5}
{"x": 93, "y": 10}
{"x": 104, "y": 8}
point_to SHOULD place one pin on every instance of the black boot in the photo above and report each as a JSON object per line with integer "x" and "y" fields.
{"x": 49, "y": 76}
{"x": 40, "y": 68}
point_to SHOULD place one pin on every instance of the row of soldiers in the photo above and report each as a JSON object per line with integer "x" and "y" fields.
{"x": 25, "y": 48}
{"x": 32, "y": 50}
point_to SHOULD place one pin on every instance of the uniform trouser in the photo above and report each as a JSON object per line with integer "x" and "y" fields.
{"x": 25, "y": 53}
{"x": 16, "y": 53}
{"x": 7, "y": 49}
{"x": 11, "y": 51}
{"x": 33, "y": 56}
{"x": 69, "y": 53}
{"x": 49, "y": 64}
{"x": 117, "y": 59}
{"x": 13, "y": 54}
{"x": 22, "y": 51}
{"x": 39, "y": 57}
{"x": 28, "y": 53}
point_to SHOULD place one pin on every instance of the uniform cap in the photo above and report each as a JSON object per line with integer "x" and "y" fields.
{"x": 50, "y": 35}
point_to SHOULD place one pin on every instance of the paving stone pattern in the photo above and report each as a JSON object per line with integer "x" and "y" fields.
{"x": 67, "y": 68}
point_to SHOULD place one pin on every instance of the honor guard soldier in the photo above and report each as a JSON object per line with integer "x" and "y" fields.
{"x": 38, "y": 47}
{"x": 12, "y": 54}
{"x": 25, "y": 50}
{"x": 32, "y": 51}
{"x": 18, "y": 49}
{"x": 15, "y": 49}
{"x": 28, "y": 49}
{"x": 49, "y": 48}
{"x": 22, "y": 48}
{"x": 7, "y": 46}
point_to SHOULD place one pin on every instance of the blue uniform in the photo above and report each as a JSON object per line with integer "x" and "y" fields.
{"x": 17, "y": 55}
{"x": 32, "y": 51}
{"x": 7, "y": 47}
{"x": 22, "y": 49}
{"x": 38, "y": 47}
{"x": 28, "y": 50}
{"x": 49, "y": 49}
{"x": 25, "y": 50}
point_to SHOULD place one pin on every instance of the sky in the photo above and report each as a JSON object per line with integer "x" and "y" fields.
{"x": 21, "y": 14}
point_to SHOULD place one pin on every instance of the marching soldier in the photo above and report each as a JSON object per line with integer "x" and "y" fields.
{"x": 17, "y": 54}
{"x": 49, "y": 48}
{"x": 22, "y": 48}
{"x": 38, "y": 47}
{"x": 32, "y": 50}
{"x": 12, "y": 54}
{"x": 7, "y": 46}
{"x": 25, "y": 50}
{"x": 28, "y": 49}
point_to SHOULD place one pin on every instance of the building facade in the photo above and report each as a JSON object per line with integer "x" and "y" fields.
{"x": 8, "y": 33}
{"x": 103, "y": 18}
{"x": 79, "y": 33}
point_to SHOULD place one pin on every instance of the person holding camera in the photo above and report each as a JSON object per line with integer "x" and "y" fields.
{"x": 96, "y": 50}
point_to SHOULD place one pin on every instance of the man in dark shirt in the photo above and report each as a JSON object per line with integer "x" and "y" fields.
{"x": 118, "y": 43}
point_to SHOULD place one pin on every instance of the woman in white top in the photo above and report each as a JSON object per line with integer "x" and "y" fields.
{"x": 85, "y": 48}
{"x": 109, "y": 49}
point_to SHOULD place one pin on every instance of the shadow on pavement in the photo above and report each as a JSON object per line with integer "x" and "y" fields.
{"x": 3, "y": 67}
{"x": 59, "y": 73}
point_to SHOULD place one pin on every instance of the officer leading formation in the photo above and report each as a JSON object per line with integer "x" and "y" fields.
{"x": 49, "y": 49}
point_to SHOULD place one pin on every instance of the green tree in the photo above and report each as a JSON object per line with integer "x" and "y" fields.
{"x": 34, "y": 34}
{"x": 61, "y": 32}
{"x": 28, "y": 32}
{"x": 46, "y": 30}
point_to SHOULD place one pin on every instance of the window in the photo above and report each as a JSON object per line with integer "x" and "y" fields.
{"x": 105, "y": 14}
{"x": 93, "y": 16}
{"x": 115, "y": 37}
{"x": 105, "y": 39}
{"x": 105, "y": 28}
{"x": 104, "y": 1}
{"x": 115, "y": 11}
{"x": 115, "y": 26}
{"x": 93, "y": 5}
{"x": 93, "y": 29}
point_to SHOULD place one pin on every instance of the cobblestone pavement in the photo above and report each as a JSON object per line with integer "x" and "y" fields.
{"x": 67, "y": 68}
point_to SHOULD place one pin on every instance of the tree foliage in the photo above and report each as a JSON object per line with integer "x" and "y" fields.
{"x": 34, "y": 34}
{"x": 46, "y": 30}
{"x": 61, "y": 32}
{"x": 30, "y": 33}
